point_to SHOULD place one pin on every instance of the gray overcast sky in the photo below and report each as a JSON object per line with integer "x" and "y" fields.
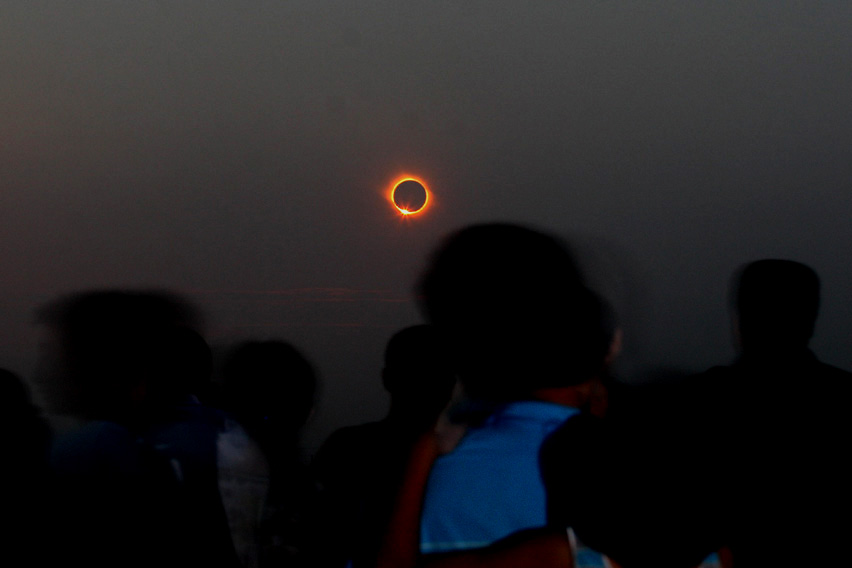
{"x": 240, "y": 152}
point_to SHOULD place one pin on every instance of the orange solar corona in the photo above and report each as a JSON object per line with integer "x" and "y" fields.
{"x": 409, "y": 195}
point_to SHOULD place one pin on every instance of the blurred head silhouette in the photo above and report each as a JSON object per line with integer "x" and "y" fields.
{"x": 417, "y": 373}
{"x": 270, "y": 387}
{"x": 776, "y": 304}
{"x": 517, "y": 317}
{"x": 117, "y": 347}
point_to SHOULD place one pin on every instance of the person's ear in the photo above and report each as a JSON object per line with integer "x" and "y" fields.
{"x": 614, "y": 347}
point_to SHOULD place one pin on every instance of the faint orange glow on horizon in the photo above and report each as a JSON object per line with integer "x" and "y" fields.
{"x": 405, "y": 212}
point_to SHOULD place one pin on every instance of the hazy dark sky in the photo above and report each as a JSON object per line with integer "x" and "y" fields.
{"x": 240, "y": 153}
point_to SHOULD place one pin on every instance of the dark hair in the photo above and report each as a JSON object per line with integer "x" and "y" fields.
{"x": 777, "y": 302}
{"x": 113, "y": 340}
{"x": 418, "y": 372}
{"x": 270, "y": 384}
{"x": 417, "y": 346}
{"x": 513, "y": 306}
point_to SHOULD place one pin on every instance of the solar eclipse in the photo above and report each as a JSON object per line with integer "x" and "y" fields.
{"x": 409, "y": 196}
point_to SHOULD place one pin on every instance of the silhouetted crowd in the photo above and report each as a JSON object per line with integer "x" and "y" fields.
{"x": 508, "y": 442}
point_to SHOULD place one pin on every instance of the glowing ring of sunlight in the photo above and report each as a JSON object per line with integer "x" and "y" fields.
{"x": 409, "y": 195}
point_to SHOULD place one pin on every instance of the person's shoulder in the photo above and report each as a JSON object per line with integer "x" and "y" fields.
{"x": 831, "y": 381}
{"x": 834, "y": 373}
{"x": 350, "y": 438}
{"x": 482, "y": 447}
{"x": 580, "y": 432}
{"x": 833, "y": 385}
{"x": 96, "y": 447}
{"x": 522, "y": 422}
{"x": 714, "y": 377}
{"x": 344, "y": 446}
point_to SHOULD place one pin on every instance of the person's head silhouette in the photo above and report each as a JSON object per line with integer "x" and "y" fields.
{"x": 517, "y": 317}
{"x": 776, "y": 304}
{"x": 417, "y": 374}
{"x": 114, "y": 349}
{"x": 270, "y": 387}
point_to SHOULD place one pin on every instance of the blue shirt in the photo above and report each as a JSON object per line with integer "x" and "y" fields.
{"x": 490, "y": 486}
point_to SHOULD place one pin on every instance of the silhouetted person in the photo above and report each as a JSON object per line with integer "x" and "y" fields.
{"x": 270, "y": 388}
{"x": 136, "y": 482}
{"x": 788, "y": 425}
{"x": 527, "y": 338}
{"x": 25, "y": 433}
{"x": 24, "y": 438}
{"x": 359, "y": 467}
{"x": 751, "y": 458}
{"x": 186, "y": 432}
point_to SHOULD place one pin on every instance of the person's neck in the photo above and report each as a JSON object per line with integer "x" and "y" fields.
{"x": 577, "y": 396}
